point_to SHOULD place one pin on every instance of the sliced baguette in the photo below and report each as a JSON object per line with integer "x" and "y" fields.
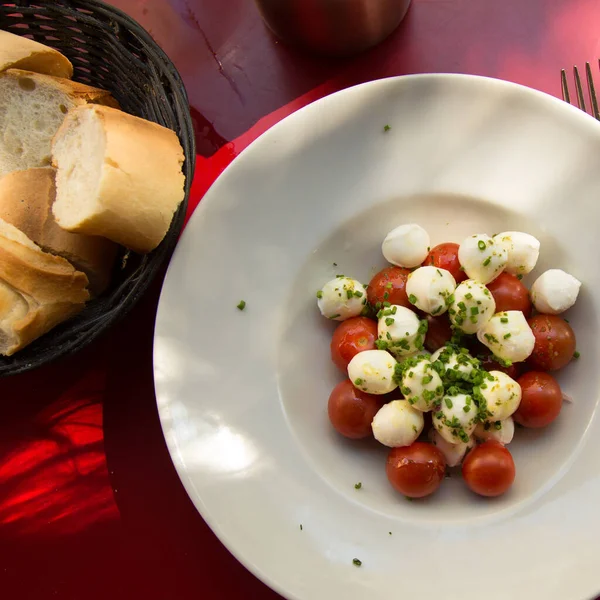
{"x": 37, "y": 290}
{"x": 32, "y": 108}
{"x": 118, "y": 176}
{"x": 18, "y": 52}
{"x": 26, "y": 199}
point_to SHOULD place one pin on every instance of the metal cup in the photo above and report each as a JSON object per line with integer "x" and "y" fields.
{"x": 333, "y": 27}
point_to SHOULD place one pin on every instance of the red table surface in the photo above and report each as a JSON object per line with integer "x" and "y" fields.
{"x": 90, "y": 504}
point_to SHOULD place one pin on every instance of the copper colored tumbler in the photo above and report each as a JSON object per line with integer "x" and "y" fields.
{"x": 333, "y": 27}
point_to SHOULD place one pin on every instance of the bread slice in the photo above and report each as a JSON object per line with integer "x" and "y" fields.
{"x": 26, "y": 199}
{"x": 118, "y": 176}
{"x": 37, "y": 290}
{"x": 32, "y": 108}
{"x": 18, "y": 52}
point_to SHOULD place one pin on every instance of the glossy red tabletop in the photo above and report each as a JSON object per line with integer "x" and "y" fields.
{"x": 90, "y": 504}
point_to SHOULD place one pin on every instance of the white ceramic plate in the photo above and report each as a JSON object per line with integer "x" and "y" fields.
{"x": 242, "y": 395}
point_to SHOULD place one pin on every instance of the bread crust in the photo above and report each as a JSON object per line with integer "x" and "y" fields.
{"x": 22, "y": 53}
{"x": 141, "y": 183}
{"x": 26, "y": 199}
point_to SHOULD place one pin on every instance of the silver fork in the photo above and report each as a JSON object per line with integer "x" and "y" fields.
{"x": 579, "y": 89}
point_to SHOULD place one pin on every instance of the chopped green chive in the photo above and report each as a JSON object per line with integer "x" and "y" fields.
{"x": 300, "y": 526}
{"x": 357, "y": 486}
{"x": 474, "y": 310}
{"x": 389, "y": 321}
{"x": 349, "y": 294}
{"x": 481, "y": 245}
{"x": 355, "y": 561}
{"x": 507, "y": 335}
{"x": 358, "y": 294}
{"x": 448, "y": 402}
{"x": 487, "y": 261}
{"x": 242, "y": 305}
{"x": 412, "y": 299}
{"x": 358, "y": 381}
{"x": 319, "y": 294}
{"x": 503, "y": 319}
{"x": 519, "y": 276}
{"x": 576, "y": 354}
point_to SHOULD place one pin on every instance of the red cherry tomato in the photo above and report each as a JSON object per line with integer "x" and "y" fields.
{"x": 541, "y": 400}
{"x": 489, "y": 363}
{"x": 438, "y": 332}
{"x": 389, "y": 285}
{"x": 510, "y": 294}
{"x": 489, "y": 469}
{"x": 351, "y": 411}
{"x": 416, "y": 470}
{"x": 351, "y": 337}
{"x": 445, "y": 256}
{"x": 554, "y": 343}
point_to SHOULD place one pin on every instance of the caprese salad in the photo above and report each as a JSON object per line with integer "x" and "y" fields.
{"x": 445, "y": 350}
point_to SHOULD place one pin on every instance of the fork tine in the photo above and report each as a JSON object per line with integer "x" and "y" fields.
{"x": 579, "y": 89}
{"x": 593, "y": 99}
{"x": 565, "y": 86}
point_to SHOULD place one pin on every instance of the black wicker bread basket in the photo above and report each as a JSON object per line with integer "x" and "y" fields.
{"x": 109, "y": 50}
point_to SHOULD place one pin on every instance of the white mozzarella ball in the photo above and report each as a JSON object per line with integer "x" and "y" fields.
{"x": 456, "y": 418}
{"x": 502, "y": 395}
{"x": 342, "y": 298}
{"x": 453, "y": 453}
{"x": 406, "y": 246}
{"x": 401, "y": 330}
{"x": 372, "y": 371}
{"x": 554, "y": 291}
{"x": 430, "y": 289}
{"x": 397, "y": 424}
{"x": 498, "y": 431}
{"x": 482, "y": 258}
{"x": 508, "y": 336}
{"x": 473, "y": 306}
{"x": 422, "y": 386}
{"x": 523, "y": 251}
{"x": 458, "y": 362}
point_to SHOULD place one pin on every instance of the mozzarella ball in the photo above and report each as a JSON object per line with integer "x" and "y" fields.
{"x": 430, "y": 289}
{"x": 401, "y": 330}
{"x": 508, "y": 336}
{"x": 342, "y": 298}
{"x": 502, "y": 395}
{"x": 372, "y": 371}
{"x": 422, "y": 386}
{"x": 554, "y": 291}
{"x": 456, "y": 418}
{"x": 453, "y": 453}
{"x": 397, "y": 423}
{"x": 498, "y": 431}
{"x": 523, "y": 251}
{"x": 406, "y": 246}
{"x": 473, "y": 306}
{"x": 459, "y": 363}
{"x": 482, "y": 258}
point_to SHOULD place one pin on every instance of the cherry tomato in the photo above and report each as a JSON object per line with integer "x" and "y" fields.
{"x": 541, "y": 399}
{"x": 489, "y": 363}
{"x": 351, "y": 411}
{"x": 389, "y": 285}
{"x": 351, "y": 337}
{"x": 554, "y": 343}
{"x": 489, "y": 469}
{"x": 510, "y": 294}
{"x": 438, "y": 332}
{"x": 416, "y": 470}
{"x": 445, "y": 256}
